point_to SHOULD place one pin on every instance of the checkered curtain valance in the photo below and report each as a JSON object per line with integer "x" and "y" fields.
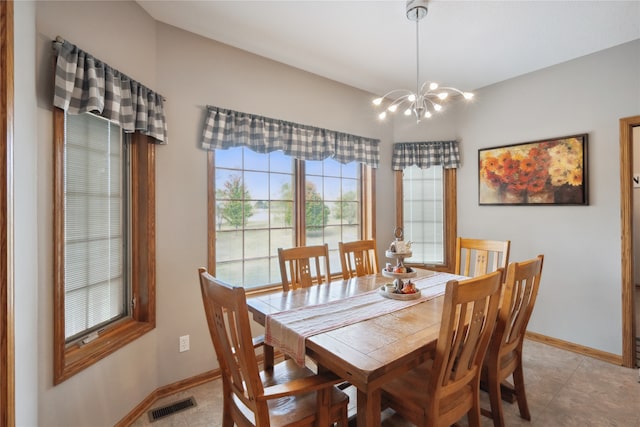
{"x": 86, "y": 84}
{"x": 426, "y": 154}
{"x": 227, "y": 128}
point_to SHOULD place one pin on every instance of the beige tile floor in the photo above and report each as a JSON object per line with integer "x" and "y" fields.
{"x": 564, "y": 389}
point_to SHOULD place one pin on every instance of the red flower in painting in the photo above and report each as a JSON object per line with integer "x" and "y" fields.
{"x": 536, "y": 185}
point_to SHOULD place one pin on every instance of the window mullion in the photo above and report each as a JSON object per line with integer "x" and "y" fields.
{"x": 300, "y": 204}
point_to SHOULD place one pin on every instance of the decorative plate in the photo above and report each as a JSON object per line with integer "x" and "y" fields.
{"x": 405, "y": 297}
{"x": 408, "y": 275}
{"x": 390, "y": 254}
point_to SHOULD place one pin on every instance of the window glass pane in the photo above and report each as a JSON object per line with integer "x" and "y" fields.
{"x": 254, "y": 243}
{"x": 230, "y": 158}
{"x": 94, "y": 232}
{"x": 313, "y": 167}
{"x": 280, "y": 238}
{"x": 230, "y": 272}
{"x": 256, "y": 186}
{"x": 351, "y": 170}
{"x": 281, "y": 186}
{"x": 423, "y": 210}
{"x": 255, "y": 161}
{"x": 256, "y": 272}
{"x": 332, "y": 188}
{"x": 332, "y": 168}
{"x": 279, "y": 162}
{"x": 228, "y": 245}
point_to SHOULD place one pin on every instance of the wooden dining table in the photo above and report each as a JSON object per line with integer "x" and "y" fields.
{"x": 368, "y": 353}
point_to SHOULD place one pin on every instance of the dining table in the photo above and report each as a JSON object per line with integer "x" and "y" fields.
{"x": 368, "y": 351}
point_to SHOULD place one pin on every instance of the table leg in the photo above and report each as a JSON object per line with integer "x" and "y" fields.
{"x": 268, "y": 357}
{"x": 368, "y": 408}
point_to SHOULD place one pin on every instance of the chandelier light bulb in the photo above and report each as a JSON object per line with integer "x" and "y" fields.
{"x": 424, "y": 100}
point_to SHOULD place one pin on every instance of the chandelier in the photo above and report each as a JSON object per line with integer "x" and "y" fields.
{"x": 427, "y": 98}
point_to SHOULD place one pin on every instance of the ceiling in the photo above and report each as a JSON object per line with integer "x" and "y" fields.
{"x": 371, "y": 45}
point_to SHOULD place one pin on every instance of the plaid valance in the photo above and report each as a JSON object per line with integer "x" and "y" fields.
{"x": 426, "y": 154}
{"x": 86, "y": 84}
{"x": 227, "y": 128}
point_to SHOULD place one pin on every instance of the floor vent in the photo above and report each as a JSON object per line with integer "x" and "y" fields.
{"x": 638, "y": 352}
{"x": 165, "y": 411}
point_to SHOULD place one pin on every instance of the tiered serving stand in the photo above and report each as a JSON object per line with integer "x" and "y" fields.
{"x": 399, "y": 277}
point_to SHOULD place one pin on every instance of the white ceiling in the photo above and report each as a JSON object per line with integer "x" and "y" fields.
{"x": 371, "y": 45}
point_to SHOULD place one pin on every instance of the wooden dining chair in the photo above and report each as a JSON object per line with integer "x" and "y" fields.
{"x": 288, "y": 395}
{"x": 304, "y": 266}
{"x": 475, "y": 257}
{"x": 442, "y": 390}
{"x": 504, "y": 356}
{"x": 358, "y": 258}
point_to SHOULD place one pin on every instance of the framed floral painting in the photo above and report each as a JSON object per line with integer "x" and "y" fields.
{"x": 546, "y": 172}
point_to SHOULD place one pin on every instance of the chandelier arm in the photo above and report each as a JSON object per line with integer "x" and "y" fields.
{"x": 452, "y": 89}
{"x": 399, "y": 101}
{"x": 386, "y": 95}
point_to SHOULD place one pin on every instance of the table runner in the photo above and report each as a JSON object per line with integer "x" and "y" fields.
{"x": 287, "y": 330}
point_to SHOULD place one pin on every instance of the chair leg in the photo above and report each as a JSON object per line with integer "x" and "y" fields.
{"x": 518, "y": 383}
{"x": 473, "y": 416}
{"x": 495, "y": 397}
{"x": 227, "y": 420}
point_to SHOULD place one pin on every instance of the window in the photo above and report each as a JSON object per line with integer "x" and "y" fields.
{"x": 426, "y": 210}
{"x": 104, "y": 253}
{"x": 257, "y": 200}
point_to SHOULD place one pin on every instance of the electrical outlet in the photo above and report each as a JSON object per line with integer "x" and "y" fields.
{"x": 184, "y": 343}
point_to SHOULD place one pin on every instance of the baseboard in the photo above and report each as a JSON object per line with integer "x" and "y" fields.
{"x": 566, "y": 345}
{"x": 164, "y": 391}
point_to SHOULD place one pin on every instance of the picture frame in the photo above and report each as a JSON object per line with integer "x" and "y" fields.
{"x": 544, "y": 172}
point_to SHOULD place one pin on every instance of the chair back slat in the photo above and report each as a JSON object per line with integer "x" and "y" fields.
{"x": 304, "y": 266}
{"x": 358, "y": 258}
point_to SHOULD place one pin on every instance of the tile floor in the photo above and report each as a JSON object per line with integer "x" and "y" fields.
{"x": 564, "y": 389}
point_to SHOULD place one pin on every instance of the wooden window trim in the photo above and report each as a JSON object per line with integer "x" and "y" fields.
{"x": 450, "y": 217}
{"x": 71, "y": 359}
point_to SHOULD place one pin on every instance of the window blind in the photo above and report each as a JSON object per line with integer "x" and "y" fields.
{"x": 94, "y": 234}
{"x": 423, "y": 211}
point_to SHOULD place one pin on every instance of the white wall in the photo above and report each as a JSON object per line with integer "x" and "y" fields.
{"x": 25, "y": 203}
{"x": 580, "y": 294}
